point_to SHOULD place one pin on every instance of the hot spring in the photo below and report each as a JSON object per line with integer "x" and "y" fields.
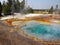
{"x": 46, "y": 32}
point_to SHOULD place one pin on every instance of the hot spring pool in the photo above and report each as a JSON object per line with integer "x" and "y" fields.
{"x": 42, "y": 31}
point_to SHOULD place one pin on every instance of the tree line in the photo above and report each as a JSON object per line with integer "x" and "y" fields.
{"x": 52, "y": 10}
{"x": 7, "y": 8}
{"x": 15, "y": 6}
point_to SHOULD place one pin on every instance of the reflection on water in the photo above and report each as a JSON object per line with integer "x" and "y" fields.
{"x": 42, "y": 31}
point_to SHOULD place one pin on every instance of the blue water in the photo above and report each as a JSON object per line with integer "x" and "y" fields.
{"x": 42, "y": 31}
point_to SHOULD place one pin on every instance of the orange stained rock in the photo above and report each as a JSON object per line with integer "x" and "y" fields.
{"x": 46, "y": 20}
{"x": 9, "y": 22}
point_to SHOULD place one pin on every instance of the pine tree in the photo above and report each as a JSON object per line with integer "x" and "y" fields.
{"x": 51, "y": 10}
{"x": 22, "y": 4}
{"x": 9, "y": 4}
{"x": 17, "y": 6}
{"x": 0, "y": 9}
{"x": 4, "y": 7}
{"x": 7, "y": 7}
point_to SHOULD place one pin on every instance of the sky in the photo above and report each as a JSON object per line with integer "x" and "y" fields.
{"x": 41, "y": 4}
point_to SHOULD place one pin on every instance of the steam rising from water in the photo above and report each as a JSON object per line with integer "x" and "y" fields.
{"x": 42, "y": 31}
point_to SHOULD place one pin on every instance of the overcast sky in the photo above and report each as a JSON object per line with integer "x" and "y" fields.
{"x": 41, "y": 4}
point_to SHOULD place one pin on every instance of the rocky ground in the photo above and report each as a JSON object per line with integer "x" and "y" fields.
{"x": 10, "y": 36}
